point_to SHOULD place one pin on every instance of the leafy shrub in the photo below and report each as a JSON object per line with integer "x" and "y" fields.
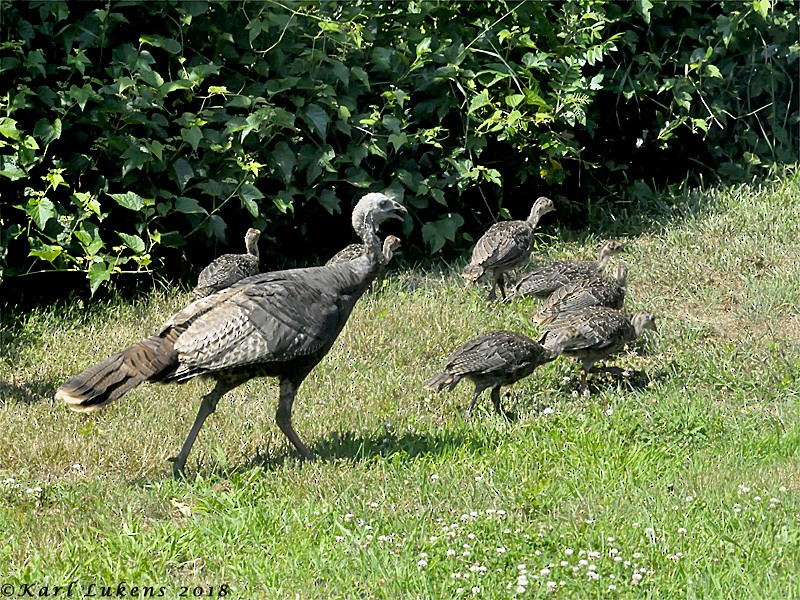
{"x": 122, "y": 145}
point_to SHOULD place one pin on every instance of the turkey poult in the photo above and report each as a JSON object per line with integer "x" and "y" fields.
{"x": 605, "y": 332}
{"x": 544, "y": 280}
{"x": 585, "y": 293}
{"x": 277, "y": 324}
{"x": 353, "y": 251}
{"x": 226, "y": 270}
{"x": 505, "y": 246}
{"x": 496, "y": 359}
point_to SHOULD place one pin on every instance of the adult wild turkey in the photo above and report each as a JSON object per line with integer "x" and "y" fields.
{"x": 505, "y": 246}
{"x": 353, "y": 251}
{"x": 277, "y": 324}
{"x": 496, "y": 359}
{"x": 605, "y": 332}
{"x": 544, "y": 280}
{"x": 226, "y": 270}
{"x": 584, "y": 293}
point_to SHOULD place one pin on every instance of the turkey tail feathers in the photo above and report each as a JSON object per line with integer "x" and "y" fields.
{"x": 108, "y": 380}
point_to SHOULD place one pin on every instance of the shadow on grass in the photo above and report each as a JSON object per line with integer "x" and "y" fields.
{"x": 352, "y": 446}
{"x": 29, "y": 392}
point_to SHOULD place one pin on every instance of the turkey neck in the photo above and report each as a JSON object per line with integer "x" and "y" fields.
{"x": 533, "y": 218}
{"x": 252, "y": 247}
{"x": 365, "y": 229}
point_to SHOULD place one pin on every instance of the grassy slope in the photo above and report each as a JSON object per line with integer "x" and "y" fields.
{"x": 688, "y": 485}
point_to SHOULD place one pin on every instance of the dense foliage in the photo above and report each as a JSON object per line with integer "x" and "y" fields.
{"x": 132, "y": 131}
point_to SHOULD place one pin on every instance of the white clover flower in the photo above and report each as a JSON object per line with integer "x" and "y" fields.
{"x": 594, "y": 554}
{"x": 522, "y": 580}
{"x": 478, "y": 478}
{"x": 563, "y": 563}
{"x": 521, "y": 589}
{"x": 637, "y": 577}
{"x": 583, "y": 562}
{"x": 476, "y": 590}
{"x": 617, "y": 559}
{"x": 544, "y": 572}
{"x": 348, "y": 516}
{"x": 470, "y": 536}
{"x": 473, "y": 513}
{"x": 757, "y": 499}
{"x": 681, "y": 530}
{"x": 548, "y": 411}
{"x": 450, "y": 552}
{"x": 501, "y": 550}
{"x": 782, "y": 489}
{"x": 551, "y": 586}
{"x": 522, "y": 568}
{"x": 593, "y": 576}
{"x": 434, "y": 477}
{"x": 637, "y": 555}
{"x": 537, "y": 553}
{"x": 610, "y": 540}
{"x": 568, "y": 551}
{"x": 592, "y": 567}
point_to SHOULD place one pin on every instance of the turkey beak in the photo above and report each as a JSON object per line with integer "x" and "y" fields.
{"x": 398, "y": 211}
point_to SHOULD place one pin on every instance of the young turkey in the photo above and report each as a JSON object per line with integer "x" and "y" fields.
{"x": 505, "y": 246}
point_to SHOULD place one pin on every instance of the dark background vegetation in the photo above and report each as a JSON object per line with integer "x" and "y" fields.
{"x": 140, "y": 137}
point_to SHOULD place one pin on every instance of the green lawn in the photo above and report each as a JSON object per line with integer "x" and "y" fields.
{"x": 681, "y": 480}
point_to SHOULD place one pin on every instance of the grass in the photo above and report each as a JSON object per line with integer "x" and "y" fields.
{"x": 680, "y": 481}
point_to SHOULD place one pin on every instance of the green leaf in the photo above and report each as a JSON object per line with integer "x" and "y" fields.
{"x": 129, "y": 200}
{"x": 46, "y": 252}
{"x": 10, "y": 169}
{"x": 761, "y": 7}
{"x": 248, "y": 194}
{"x": 192, "y": 136}
{"x": 47, "y": 132}
{"x": 435, "y": 233}
{"x": 283, "y": 155}
{"x": 173, "y": 239}
{"x": 134, "y": 242}
{"x": 330, "y": 202}
{"x": 189, "y": 206}
{"x": 89, "y": 237}
{"x": 40, "y": 210}
{"x": 316, "y": 116}
{"x": 284, "y": 201}
{"x": 644, "y": 7}
{"x": 99, "y": 273}
{"x": 513, "y": 100}
{"x": 218, "y": 227}
{"x": 183, "y": 172}
{"x": 478, "y": 101}
{"x": 8, "y": 128}
{"x": 170, "y": 45}
{"x": 398, "y": 141}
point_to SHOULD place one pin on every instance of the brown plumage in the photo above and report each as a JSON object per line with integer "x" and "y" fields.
{"x": 496, "y": 359}
{"x": 585, "y": 293}
{"x": 353, "y": 251}
{"x": 546, "y": 279}
{"x": 274, "y": 324}
{"x": 605, "y": 332}
{"x": 505, "y": 246}
{"x": 226, "y": 270}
